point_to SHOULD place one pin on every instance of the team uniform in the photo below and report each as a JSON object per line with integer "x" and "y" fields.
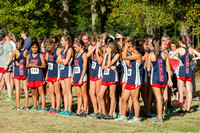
{"x": 95, "y": 69}
{"x": 158, "y": 72}
{"x": 35, "y": 75}
{"x": 65, "y": 70}
{"x": 110, "y": 77}
{"x": 78, "y": 69}
{"x": 135, "y": 75}
{"x": 20, "y": 72}
{"x": 53, "y": 68}
{"x": 185, "y": 72}
{"x": 145, "y": 73}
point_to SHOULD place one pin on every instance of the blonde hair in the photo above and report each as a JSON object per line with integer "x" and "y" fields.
{"x": 11, "y": 36}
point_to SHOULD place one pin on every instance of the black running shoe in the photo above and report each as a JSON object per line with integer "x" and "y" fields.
{"x": 16, "y": 108}
{"x": 101, "y": 116}
{"x": 181, "y": 111}
{"x": 108, "y": 117}
{"x": 83, "y": 115}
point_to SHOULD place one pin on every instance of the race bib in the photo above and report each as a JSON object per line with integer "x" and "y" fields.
{"x": 94, "y": 65}
{"x": 106, "y": 71}
{"x": 129, "y": 72}
{"x": 34, "y": 70}
{"x": 62, "y": 67}
{"x": 50, "y": 66}
{"x": 77, "y": 70}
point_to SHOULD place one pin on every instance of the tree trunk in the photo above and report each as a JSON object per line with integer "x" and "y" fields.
{"x": 183, "y": 29}
{"x": 94, "y": 16}
{"x": 64, "y": 16}
{"x": 103, "y": 16}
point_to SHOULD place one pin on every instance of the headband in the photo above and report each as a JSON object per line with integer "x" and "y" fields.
{"x": 77, "y": 43}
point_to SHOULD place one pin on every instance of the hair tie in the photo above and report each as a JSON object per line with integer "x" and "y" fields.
{"x": 140, "y": 43}
{"x": 40, "y": 38}
{"x": 188, "y": 39}
{"x": 82, "y": 33}
{"x": 123, "y": 38}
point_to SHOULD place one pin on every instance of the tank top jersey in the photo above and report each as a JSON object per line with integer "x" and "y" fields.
{"x": 78, "y": 68}
{"x": 158, "y": 71}
{"x": 135, "y": 73}
{"x": 53, "y": 68}
{"x": 20, "y": 71}
{"x": 43, "y": 53}
{"x": 35, "y": 74}
{"x": 95, "y": 68}
{"x": 108, "y": 74}
{"x": 186, "y": 70}
{"x": 124, "y": 70}
{"x": 65, "y": 70}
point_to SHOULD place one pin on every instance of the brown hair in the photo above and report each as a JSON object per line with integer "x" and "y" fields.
{"x": 183, "y": 39}
{"x": 84, "y": 34}
{"x": 11, "y": 36}
{"x": 68, "y": 38}
{"x": 79, "y": 42}
{"x": 173, "y": 42}
{"x": 20, "y": 44}
{"x": 26, "y": 33}
{"x": 156, "y": 43}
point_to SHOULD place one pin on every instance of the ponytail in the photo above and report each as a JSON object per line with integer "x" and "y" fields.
{"x": 185, "y": 40}
{"x": 156, "y": 43}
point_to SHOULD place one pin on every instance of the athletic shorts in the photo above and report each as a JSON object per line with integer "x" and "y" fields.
{"x": 107, "y": 83}
{"x": 94, "y": 79}
{"x": 185, "y": 78}
{"x": 3, "y": 71}
{"x": 52, "y": 79}
{"x": 132, "y": 87}
{"x": 158, "y": 85}
{"x": 34, "y": 84}
{"x": 77, "y": 84}
{"x": 20, "y": 78}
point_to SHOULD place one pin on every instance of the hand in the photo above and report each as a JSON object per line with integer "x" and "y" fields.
{"x": 113, "y": 68}
{"x": 109, "y": 50}
{"x": 170, "y": 84}
{"x": 32, "y": 65}
{"x": 17, "y": 64}
{"x": 118, "y": 35}
{"x": 69, "y": 63}
{"x": 80, "y": 82}
{"x": 72, "y": 81}
{"x": 98, "y": 44}
{"x": 6, "y": 68}
{"x": 180, "y": 63}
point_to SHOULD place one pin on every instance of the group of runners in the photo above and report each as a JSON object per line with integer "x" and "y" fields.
{"x": 108, "y": 73}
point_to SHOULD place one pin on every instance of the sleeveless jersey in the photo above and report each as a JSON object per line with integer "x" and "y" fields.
{"x": 158, "y": 72}
{"x": 78, "y": 68}
{"x": 65, "y": 70}
{"x": 20, "y": 71}
{"x": 95, "y": 68}
{"x": 108, "y": 74}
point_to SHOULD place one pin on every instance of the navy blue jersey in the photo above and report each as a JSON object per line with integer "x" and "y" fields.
{"x": 78, "y": 68}
{"x": 135, "y": 73}
{"x": 65, "y": 70}
{"x": 95, "y": 68}
{"x": 20, "y": 71}
{"x": 35, "y": 74}
{"x": 186, "y": 70}
{"x": 158, "y": 71}
{"x": 53, "y": 69}
{"x": 108, "y": 74}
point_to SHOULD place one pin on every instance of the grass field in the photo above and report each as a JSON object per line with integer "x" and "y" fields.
{"x": 25, "y": 121}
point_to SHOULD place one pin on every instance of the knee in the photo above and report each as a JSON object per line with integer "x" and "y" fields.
{"x": 100, "y": 96}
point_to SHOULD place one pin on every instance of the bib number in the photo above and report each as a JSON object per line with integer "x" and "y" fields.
{"x": 77, "y": 70}
{"x": 129, "y": 72}
{"x": 94, "y": 65}
{"x": 62, "y": 67}
{"x": 50, "y": 66}
{"x": 106, "y": 71}
{"x": 34, "y": 70}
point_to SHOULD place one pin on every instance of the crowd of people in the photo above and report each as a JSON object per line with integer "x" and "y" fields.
{"x": 108, "y": 73}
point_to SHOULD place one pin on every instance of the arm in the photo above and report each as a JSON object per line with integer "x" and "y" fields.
{"x": 84, "y": 57}
{"x": 46, "y": 57}
{"x": 13, "y": 54}
{"x": 99, "y": 58}
{"x": 132, "y": 57}
{"x": 104, "y": 61}
{"x": 69, "y": 55}
{"x": 197, "y": 54}
{"x": 169, "y": 72}
{"x": 43, "y": 66}
{"x": 27, "y": 62}
{"x": 149, "y": 62}
{"x": 90, "y": 50}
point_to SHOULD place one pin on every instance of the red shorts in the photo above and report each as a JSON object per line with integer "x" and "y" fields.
{"x": 94, "y": 79}
{"x": 33, "y": 84}
{"x": 158, "y": 85}
{"x": 3, "y": 71}
{"x": 132, "y": 87}
{"x": 64, "y": 78}
{"x": 21, "y": 78}
{"x": 77, "y": 84}
{"x": 185, "y": 78}
{"x": 51, "y": 79}
{"x": 107, "y": 83}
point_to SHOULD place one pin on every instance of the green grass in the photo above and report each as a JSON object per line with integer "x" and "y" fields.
{"x": 25, "y": 121}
